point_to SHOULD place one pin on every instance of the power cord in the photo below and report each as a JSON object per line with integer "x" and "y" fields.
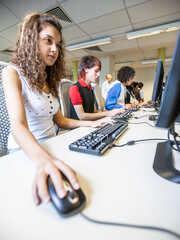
{"x": 132, "y": 142}
{"x": 142, "y": 116}
{"x": 131, "y": 225}
{"x": 171, "y": 142}
{"x": 175, "y": 135}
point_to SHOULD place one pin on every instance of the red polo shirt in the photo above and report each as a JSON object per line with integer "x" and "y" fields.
{"x": 74, "y": 92}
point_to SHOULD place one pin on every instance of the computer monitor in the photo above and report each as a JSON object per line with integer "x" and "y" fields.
{"x": 158, "y": 82}
{"x": 169, "y": 113}
{"x": 157, "y": 89}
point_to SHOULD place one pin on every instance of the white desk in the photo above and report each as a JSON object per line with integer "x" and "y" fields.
{"x": 120, "y": 186}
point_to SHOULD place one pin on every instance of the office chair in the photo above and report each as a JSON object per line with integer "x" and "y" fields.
{"x": 99, "y": 98}
{"x": 64, "y": 87}
{"x": 4, "y": 119}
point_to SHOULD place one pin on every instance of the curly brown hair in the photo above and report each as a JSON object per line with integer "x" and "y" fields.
{"x": 26, "y": 55}
{"x": 125, "y": 73}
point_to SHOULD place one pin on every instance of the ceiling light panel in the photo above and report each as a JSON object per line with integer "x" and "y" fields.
{"x": 154, "y": 30}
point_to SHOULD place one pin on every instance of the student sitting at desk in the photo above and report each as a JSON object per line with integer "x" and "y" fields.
{"x": 107, "y": 85}
{"x": 135, "y": 90}
{"x": 116, "y": 94}
{"x": 136, "y": 96}
{"x": 81, "y": 94}
{"x": 31, "y": 91}
{"x": 141, "y": 92}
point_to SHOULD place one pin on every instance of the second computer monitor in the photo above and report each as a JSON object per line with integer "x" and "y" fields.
{"x": 169, "y": 111}
{"x": 158, "y": 82}
{"x": 169, "y": 114}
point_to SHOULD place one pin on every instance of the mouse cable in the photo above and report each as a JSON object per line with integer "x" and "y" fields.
{"x": 142, "y": 116}
{"x": 141, "y": 123}
{"x": 149, "y": 111}
{"x": 132, "y": 142}
{"x": 131, "y": 225}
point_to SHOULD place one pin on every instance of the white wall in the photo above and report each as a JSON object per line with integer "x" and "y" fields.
{"x": 107, "y": 66}
{"x": 147, "y": 76}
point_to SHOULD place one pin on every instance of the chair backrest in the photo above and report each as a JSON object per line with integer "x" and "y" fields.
{"x": 64, "y": 87}
{"x": 99, "y": 97}
{"x": 4, "y": 119}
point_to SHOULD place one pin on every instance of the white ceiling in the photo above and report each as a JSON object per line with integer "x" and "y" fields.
{"x": 96, "y": 19}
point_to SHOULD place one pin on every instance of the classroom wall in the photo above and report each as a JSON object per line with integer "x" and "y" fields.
{"x": 147, "y": 76}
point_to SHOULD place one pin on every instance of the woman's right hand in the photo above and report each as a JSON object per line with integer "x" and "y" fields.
{"x": 51, "y": 167}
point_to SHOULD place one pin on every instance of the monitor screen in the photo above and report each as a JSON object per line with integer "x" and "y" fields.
{"x": 170, "y": 106}
{"x": 169, "y": 113}
{"x": 157, "y": 89}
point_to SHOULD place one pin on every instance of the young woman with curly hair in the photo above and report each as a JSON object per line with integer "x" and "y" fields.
{"x": 31, "y": 91}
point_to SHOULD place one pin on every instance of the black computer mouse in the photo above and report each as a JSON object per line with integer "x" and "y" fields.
{"x": 72, "y": 203}
{"x": 153, "y": 117}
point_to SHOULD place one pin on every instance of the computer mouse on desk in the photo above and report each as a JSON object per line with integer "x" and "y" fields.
{"x": 153, "y": 117}
{"x": 72, "y": 203}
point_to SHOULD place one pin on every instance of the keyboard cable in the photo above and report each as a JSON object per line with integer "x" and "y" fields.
{"x": 132, "y": 142}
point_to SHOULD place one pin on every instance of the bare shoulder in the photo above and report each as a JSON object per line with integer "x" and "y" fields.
{"x": 10, "y": 75}
{"x": 9, "y": 70}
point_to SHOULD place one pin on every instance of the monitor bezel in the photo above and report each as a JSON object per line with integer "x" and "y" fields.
{"x": 158, "y": 83}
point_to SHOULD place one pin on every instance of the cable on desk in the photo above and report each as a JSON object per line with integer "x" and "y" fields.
{"x": 176, "y": 142}
{"x": 141, "y": 123}
{"x": 132, "y": 142}
{"x": 142, "y": 116}
{"x": 131, "y": 225}
{"x": 149, "y": 111}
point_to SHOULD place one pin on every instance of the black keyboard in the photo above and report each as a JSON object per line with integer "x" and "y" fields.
{"x": 134, "y": 109}
{"x": 122, "y": 116}
{"x": 98, "y": 141}
{"x": 148, "y": 106}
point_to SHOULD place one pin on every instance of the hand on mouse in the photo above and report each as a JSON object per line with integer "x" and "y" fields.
{"x": 51, "y": 167}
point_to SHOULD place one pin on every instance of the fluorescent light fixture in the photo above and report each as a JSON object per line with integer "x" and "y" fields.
{"x": 154, "y": 30}
{"x": 155, "y": 60}
{"x": 88, "y": 44}
{"x": 149, "y": 61}
{"x": 168, "y": 59}
{"x": 123, "y": 63}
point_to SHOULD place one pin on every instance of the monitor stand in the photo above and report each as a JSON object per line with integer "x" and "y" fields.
{"x": 163, "y": 163}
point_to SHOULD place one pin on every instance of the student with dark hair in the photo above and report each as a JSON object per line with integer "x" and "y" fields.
{"x": 141, "y": 92}
{"x": 81, "y": 94}
{"x": 136, "y": 95}
{"x": 129, "y": 94}
{"x": 116, "y": 94}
